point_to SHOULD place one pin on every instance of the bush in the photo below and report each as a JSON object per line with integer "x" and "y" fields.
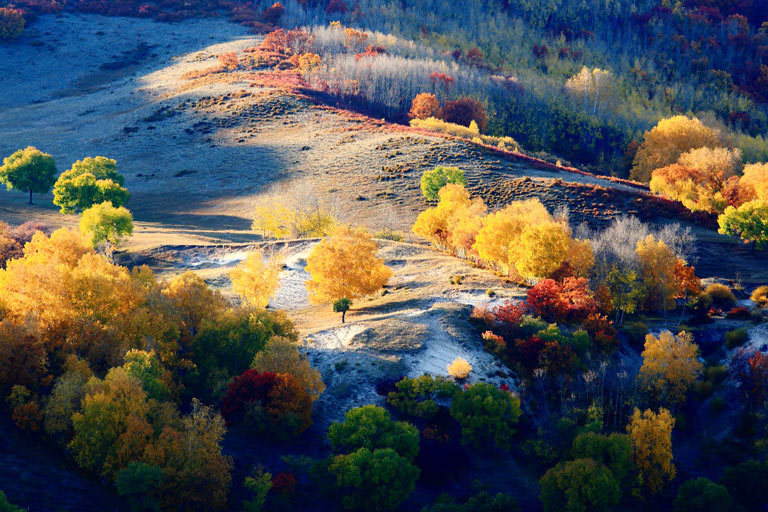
{"x": 465, "y": 110}
{"x": 702, "y": 494}
{"x": 11, "y": 23}
{"x": 760, "y": 296}
{"x": 459, "y": 368}
{"x": 736, "y": 338}
{"x": 486, "y": 414}
{"x": 721, "y": 294}
{"x": 425, "y": 105}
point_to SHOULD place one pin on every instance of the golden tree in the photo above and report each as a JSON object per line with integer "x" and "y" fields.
{"x": 254, "y": 280}
{"x": 437, "y": 224}
{"x": 670, "y": 366}
{"x": 345, "y": 266}
{"x": 719, "y": 163}
{"x": 651, "y": 435}
{"x": 581, "y": 257}
{"x": 755, "y": 179}
{"x": 658, "y": 263}
{"x": 541, "y": 249}
{"x": 669, "y": 139}
{"x": 695, "y": 189}
{"x": 503, "y": 228}
{"x": 425, "y": 105}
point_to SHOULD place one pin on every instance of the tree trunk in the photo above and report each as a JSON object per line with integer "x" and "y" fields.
{"x": 343, "y": 314}
{"x": 30, "y": 196}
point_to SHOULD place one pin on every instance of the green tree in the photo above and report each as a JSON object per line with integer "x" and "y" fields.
{"x": 342, "y": 306}
{"x": 749, "y": 221}
{"x": 259, "y": 482}
{"x": 486, "y": 413}
{"x": 139, "y": 483}
{"x": 432, "y": 181}
{"x": 579, "y": 485}
{"x": 373, "y": 480}
{"x": 702, "y": 495}
{"x": 146, "y": 367}
{"x": 7, "y": 506}
{"x": 416, "y": 397}
{"x": 105, "y": 224}
{"x": 371, "y": 427}
{"x": 613, "y": 451}
{"x": 746, "y": 482}
{"x": 90, "y": 181}
{"x": 29, "y": 170}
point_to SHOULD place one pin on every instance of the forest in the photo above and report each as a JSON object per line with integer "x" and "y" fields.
{"x": 598, "y": 364}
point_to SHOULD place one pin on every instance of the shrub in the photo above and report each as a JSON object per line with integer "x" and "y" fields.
{"x": 459, "y": 368}
{"x": 736, "y": 338}
{"x": 721, "y": 294}
{"x": 11, "y": 23}
{"x": 417, "y": 397}
{"x": 760, "y": 296}
{"x": 486, "y": 414}
{"x": 702, "y": 494}
{"x": 465, "y": 110}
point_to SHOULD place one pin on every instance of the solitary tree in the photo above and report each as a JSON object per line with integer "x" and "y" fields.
{"x": 103, "y": 223}
{"x": 90, "y": 181}
{"x": 29, "y": 170}
{"x": 432, "y": 181}
{"x": 670, "y": 365}
{"x": 342, "y": 306}
{"x": 345, "y": 266}
{"x": 425, "y": 105}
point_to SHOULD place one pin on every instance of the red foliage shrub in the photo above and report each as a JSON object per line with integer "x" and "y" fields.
{"x": 511, "y": 312}
{"x": 284, "y": 483}
{"x": 738, "y": 313}
{"x": 444, "y": 79}
{"x": 465, "y": 110}
{"x": 483, "y": 315}
{"x": 556, "y": 358}
{"x": 529, "y": 350}
{"x": 275, "y": 402}
{"x": 371, "y": 51}
{"x": 569, "y": 302}
{"x": 602, "y": 331}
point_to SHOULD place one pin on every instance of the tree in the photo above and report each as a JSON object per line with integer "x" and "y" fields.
{"x": 66, "y": 397}
{"x": 254, "y": 280}
{"x": 259, "y": 482}
{"x": 417, "y": 397}
{"x": 452, "y": 223}
{"x": 272, "y": 403}
{"x": 11, "y": 23}
{"x": 669, "y": 139}
{"x": 103, "y": 223}
{"x": 745, "y": 483}
{"x": 294, "y": 214}
{"x": 486, "y": 414}
{"x": 657, "y": 265}
{"x": 595, "y": 88}
{"x": 29, "y": 170}
{"x": 465, "y": 110}
{"x": 5, "y": 505}
{"x": 755, "y": 181}
{"x": 579, "y": 485}
{"x": 693, "y": 188}
{"x": 90, "y": 181}
{"x": 614, "y": 451}
{"x": 541, "y": 249}
{"x": 373, "y": 480}
{"x": 749, "y": 222}
{"x": 139, "y": 483}
{"x": 502, "y": 229}
{"x": 670, "y": 365}
{"x": 281, "y": 355}
{"x": 342, "y": 306}
{"x": 626, "y": 291}
{"x": 372, "y": 428}
{"x": 702, "y": 495}
{"x": 425, "y": 105}
{"x": 717, "y": 164}
{"x": 345, "y": 266}
{"x": 432, "y": 181}
{"x": 651, "y": 435}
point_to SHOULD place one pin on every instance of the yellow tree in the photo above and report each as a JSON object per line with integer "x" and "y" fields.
{"x": 669, "y": 139}
{"x": 503, "y": 229}
{"x": 581, "y": 257}
{"x": 541, "y": 249}
{"x": 755, "y": 179}
{"x": 670, "y": 366}
{"x": 437, "y": 224}
{"x": 717, "y": 163}
{"x": 658, "y": 263}
{"x": 254, "y": 280}
{"x": 345, "y": 266}
{"x": 693, "y": 188}
{"x": 651, "y": 435}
